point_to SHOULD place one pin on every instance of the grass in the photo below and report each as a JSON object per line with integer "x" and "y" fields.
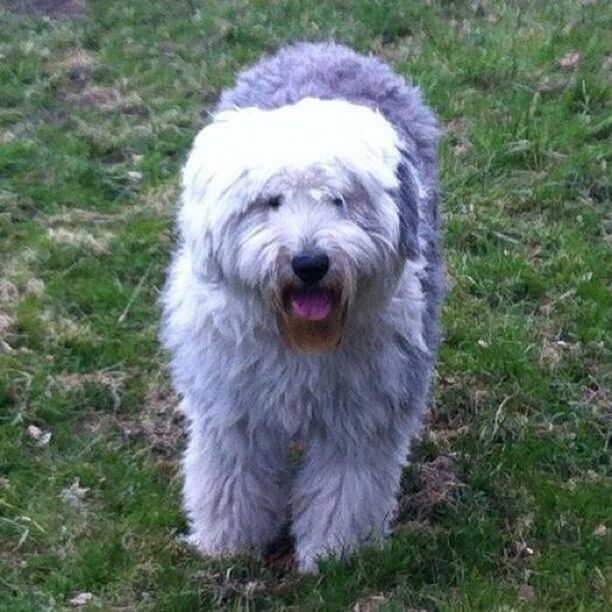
{"x": 507, "y": 503}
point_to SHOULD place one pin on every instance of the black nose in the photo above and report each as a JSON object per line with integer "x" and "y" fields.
{"x": 310, "y": 267}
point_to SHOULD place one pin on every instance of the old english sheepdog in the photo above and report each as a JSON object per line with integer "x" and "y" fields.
{"x": 302, "y": 302}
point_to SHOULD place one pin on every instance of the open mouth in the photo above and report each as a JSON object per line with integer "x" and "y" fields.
{"x": 311, "y": 319}
{"x": 311, "y": 304}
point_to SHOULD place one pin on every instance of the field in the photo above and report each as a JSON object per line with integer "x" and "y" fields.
{"x": 507, "y": 503}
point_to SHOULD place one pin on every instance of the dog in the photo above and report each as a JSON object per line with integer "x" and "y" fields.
{"x": 301, "y": 303}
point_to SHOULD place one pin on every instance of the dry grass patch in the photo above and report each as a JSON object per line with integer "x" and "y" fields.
{"x": 60, "y": 327}
{"x": 77, "y": 216}
{"x": 553, "y": 350}
{"x": 18, "y": 265}
{"x": 71, "y": 381}
{"x": 8, "y": 291}
{"x": 371, "y": 603}
{"x": 35, "y": 287}
{"x": 6, "y": 322}
{"x": 158, "y": 201}
{"x": 81, "y": 239}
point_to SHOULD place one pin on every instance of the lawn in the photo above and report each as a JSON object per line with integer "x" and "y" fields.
{"x": 507, "y": 504}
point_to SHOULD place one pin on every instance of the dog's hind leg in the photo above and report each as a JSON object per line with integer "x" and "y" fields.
{"x": 235, "y": 490}
{"x": 345, "y": 493}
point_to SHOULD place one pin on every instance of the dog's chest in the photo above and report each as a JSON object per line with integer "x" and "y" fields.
{"x": 297, "y": 392}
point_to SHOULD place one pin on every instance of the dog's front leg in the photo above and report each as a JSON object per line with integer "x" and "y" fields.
{"x": 235, "y": 489}
{"x": 345, "y": 493}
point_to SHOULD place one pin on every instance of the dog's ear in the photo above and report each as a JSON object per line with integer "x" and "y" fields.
{"x": 408, "y": 208}
{"x": 194, "y": 215}
{"x": 206, "y": 266}
{"x": 198, "y": 239}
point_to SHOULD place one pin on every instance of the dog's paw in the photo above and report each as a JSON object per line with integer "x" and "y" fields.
{"x": 307, "y": 562}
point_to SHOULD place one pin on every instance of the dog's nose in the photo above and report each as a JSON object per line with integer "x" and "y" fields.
{"x": 310, "y": 267}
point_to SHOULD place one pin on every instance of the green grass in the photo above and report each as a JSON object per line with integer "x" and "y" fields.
{"x": 507, "y": 506}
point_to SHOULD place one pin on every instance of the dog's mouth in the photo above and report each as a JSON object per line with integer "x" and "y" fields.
{"x": 310, "y": 305}
{"x": 311, "y": 319}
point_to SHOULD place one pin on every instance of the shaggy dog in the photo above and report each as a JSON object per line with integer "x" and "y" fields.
{"x": 301, "y": 303}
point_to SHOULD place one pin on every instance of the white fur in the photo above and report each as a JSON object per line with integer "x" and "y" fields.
{"x": 234, "y": 157}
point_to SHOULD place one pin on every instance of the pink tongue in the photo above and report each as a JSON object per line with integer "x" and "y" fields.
{"x": 312, "y": 305}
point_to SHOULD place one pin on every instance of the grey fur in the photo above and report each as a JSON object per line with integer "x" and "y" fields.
{"x": 356, "y": 408}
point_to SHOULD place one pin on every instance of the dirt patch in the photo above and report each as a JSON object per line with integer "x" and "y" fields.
{"x": 105, "y": 97}
{"x": 113, "y": 380}
{"x": 280, "y": 555}
{"x": 455, "y": 131}
{"x": 456, "y": 398}
{"x": 426, "y": 485}
{"x": 518, "y": 549}
{"x": 79, "y": 67}
{"x": 553, "y": 351}
{"x": 161, "y": 423}
{"x": 599, "y": 398}
{"x": 54, "y": 9}
{"x": 76, "y": 69}
{"x": 455, "y": 127}
{"x": 444, "y": 437}
{"x": 396, "y": 50}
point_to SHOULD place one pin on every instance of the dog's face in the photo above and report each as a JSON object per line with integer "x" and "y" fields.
{"x": 297, "y": 206}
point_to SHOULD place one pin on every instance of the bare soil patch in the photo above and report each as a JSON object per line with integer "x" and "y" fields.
{"x": 429, "y": 484}
{"x": 94, "y": 96}
{"x": 160, "y": 423}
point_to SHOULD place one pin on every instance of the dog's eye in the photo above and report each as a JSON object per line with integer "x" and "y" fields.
{"x": 274, "y": 202}
{"x": 338, "y": 201}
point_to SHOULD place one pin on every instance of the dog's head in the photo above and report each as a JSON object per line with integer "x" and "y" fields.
{"x": 299, "y": 205}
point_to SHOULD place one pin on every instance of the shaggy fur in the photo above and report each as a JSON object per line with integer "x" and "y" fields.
{"x": 316, "y": 147}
